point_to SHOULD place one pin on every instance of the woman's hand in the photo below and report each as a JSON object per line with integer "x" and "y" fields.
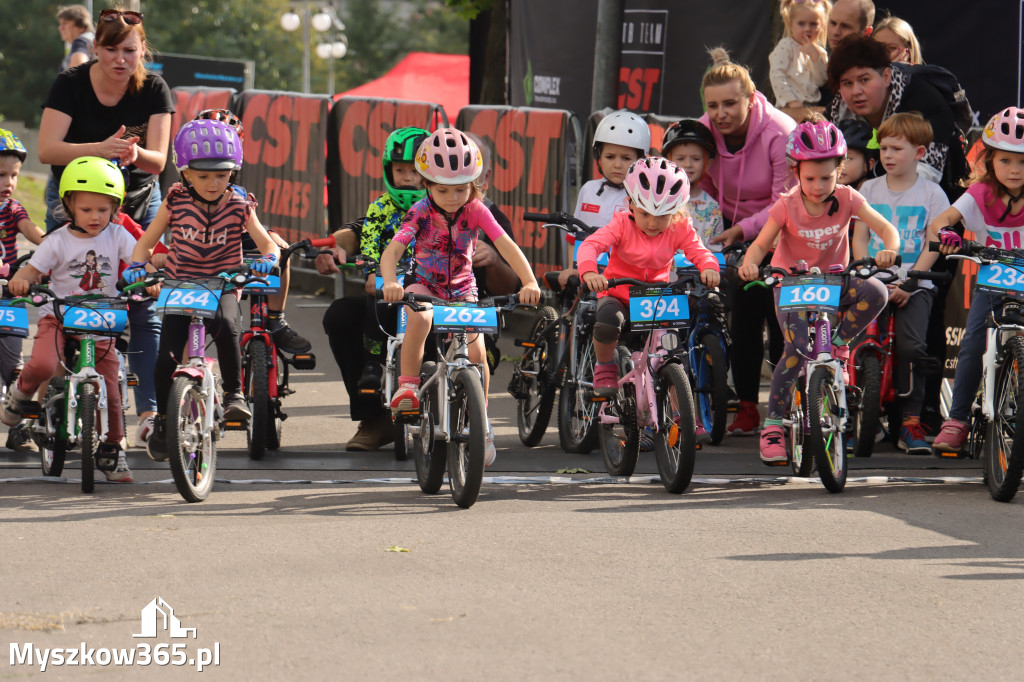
{"x": 727, "y": 237}
{"x": 595, "y": 282}
{"x": 897, "y": 295}
{"x": 710, "y": 277}
{"x": 748, "y": 271}
{"x": 392, "y": 292}
{"x": 326, "y": 263}
{"x": 885, "y": 258}
{"x": 564, "y": 276}
{"x": 117, "y": 147}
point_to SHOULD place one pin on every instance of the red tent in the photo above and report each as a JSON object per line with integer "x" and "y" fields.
{"x": 424, "y": 77}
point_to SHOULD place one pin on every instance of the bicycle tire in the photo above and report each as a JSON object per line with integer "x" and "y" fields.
{"x": 577, "y": 414}
{"x": 430, "y": 464}
{"x": 1004, "y": 433}
{"x": 534, "y": 412}
{"x": 867, "y": 418}
{"x": 191, "y": 449}
{"x": 675, "y": 443}
{"x": 466, "y": 452}
{"x": 87, "y": 436}
{"x": 711, "y": 375}
{"x": 824, "y": 440}
{"x": 257, "y": 392}
{"x": 53, "y": 449}
{"x": 620, "y": 441}
{"x": 801, "y": 461}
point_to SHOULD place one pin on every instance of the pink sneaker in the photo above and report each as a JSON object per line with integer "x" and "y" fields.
{"x": 405, "y": 398}
{"x": 773, "y": 446}
{"x": 951, "y": 438}
{"x": 842, "y": 354}
{"x": 702, "y": 435}
{"x": 606, "y": 380}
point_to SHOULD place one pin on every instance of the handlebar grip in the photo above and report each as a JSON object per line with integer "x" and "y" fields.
{"x": 542, "y": 217}
{"x": 328, "y": 242}
{"x": 934, "y": 246}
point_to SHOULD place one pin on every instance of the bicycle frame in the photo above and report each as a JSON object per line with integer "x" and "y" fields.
{"x": 258, "y": 328}
{"x": 646, "y": 363}
{"x": 200, "y": 368}
{"x": 456, "y": 357}
{"x": 992, "y": 361}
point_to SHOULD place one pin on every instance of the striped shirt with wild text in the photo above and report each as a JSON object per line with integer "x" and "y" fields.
{"x": 201, "y": 245}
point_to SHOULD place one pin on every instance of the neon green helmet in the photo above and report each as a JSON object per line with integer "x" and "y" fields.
{"x": 93, "y": 174}
{"x": 401, "y": 147}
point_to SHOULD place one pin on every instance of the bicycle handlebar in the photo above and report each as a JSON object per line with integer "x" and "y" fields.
{"x": 413, "y": 301}
{"x": 563, "y": 221}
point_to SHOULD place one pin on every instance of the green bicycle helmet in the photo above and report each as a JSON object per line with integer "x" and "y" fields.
{"x": 401, "y": 146}
{"x": 10, "y": 143}
{"x": 93, "y": 174}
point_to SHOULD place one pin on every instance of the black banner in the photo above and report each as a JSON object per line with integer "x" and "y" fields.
{"x": 187, "y": 103}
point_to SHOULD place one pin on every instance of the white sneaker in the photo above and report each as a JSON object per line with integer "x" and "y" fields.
{"x": 144, "y": 430}
{"x": 490, "y": 453}
{"x": 10, "y": 408}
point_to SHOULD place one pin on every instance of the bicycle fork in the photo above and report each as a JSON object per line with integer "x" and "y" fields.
{"x": 85, "y": 373}
{"x": 200, "y": 369}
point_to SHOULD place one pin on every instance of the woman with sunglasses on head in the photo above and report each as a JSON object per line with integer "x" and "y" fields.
{"x": 111, "y": 107}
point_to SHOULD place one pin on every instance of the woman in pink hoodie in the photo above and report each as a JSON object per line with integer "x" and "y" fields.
{"x": 747, "y": 175}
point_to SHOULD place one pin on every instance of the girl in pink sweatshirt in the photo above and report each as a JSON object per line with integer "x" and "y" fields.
{"x": 811, "y": 224}
{"x": 643, "y": 243}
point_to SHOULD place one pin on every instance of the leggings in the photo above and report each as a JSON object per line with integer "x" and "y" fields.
{"x": 862, "y": 300}
{"x": 751, "y": 313}
{"x": 226, "y": 330}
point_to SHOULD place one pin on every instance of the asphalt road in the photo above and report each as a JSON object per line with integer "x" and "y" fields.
{"x": 749, "y": 574}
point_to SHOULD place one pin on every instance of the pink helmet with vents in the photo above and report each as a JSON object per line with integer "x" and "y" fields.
{"x": 815, "y": 142}
{"x": 1005, "y": 131}
{"x": 449, "y": 157}
{"x": 657, "y": 185}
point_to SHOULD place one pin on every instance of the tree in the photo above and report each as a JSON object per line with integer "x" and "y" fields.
{"x": 29, "y": 59}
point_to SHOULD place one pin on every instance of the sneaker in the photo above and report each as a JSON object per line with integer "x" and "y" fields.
{"x": 912, "y": 438}
{"x": 144, "y": 430}
{"x": 951, "y": 437}
{"x": 606, "y": 380}
{"x": 842, "y": 354}
{"x": 19, "y": 439}
{"x": 490, "y": 452}
{"x": 773, "y": 446}
{"x": 10, "y": 408}
{"x": 647, "y": 439}
{"x": 747, "y": 421}
{"x": 111, "y": 461}
{"x": 156, "y": 446}
{"x": 405, "y": 398}
{"x": 289, "y": 340}
{"x": 236, "y": 406}
{"x": 702, "y": 435}
{"x": 369, "y": 382}
{"x": 371, "y": 434}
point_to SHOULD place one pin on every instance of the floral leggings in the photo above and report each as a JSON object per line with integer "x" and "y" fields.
{"x": 862, "y": 300}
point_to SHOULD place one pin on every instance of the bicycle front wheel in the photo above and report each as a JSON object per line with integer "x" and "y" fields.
{"x": 824, "y": 437}
{"x": 620, "y": 436}
{"x": 418, "y": 438}
{"x": 802, "y": 462}
{"x": 866, "y": 420}
{"x": 711, "y": 379}
{"x": 1004, "y": 434}
{"x": 257, "y": 391}
{"x": 675, "y": 443}
{"x": 53, "y": 446}
{"x": 190, "y": 446}
{"x": 535, "y": 378}
{"x": 577, "y": 414}
{"x": 87, "y": 437}
{"x": 467, "y": 438}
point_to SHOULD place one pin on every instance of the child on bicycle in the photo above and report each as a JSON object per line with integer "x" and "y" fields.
{"x": 643, "y": 243}
{"x": 206, "y": 219}
{"x": 13, "y": 220}
{"x": 992, "y": 208}
{"x": 909, "y": 201}
{"x": 383, "y": 219}
{"x": 811, "y": 223}
{"x": 621, "y": 138}
{"x": 91, "y": 190}
{"x": 445, "y": 225}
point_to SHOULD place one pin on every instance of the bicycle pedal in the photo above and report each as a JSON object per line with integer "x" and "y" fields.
{"x": 369, "y": 391}
{"x": 236, "y": 425}
{"x": 303, "y": 361}
{"x": 408, "y": 417}
{"x": 30, "y": 409}
{"x": 132, "y": 379}
{"x": 524, "y": 343}
{"x": 783, "y": 463}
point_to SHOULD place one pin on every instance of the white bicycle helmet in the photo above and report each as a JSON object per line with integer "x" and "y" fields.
{"x": 624, "y": 128}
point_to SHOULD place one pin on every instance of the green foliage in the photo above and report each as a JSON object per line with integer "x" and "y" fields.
{"x": 469, "y": 9}
{"x": 30, "y": 57}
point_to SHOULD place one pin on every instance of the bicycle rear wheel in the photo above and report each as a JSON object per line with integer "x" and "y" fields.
{"x": 53, "y": 447}
{"x": 1004, "y": 434}
{"x": 467, "y": 438}
{"x": 577, "y": 414}
{"x": 87, "y": 436}
{"x": 824, "y": 437}
{"x": 534, "y": 376}
{"x": 675, "y": 443}
{"x": 257, "y": 391}
{"x": 190, "y": 446}
{"x": 620, "y": 440}
{"x": 866, "y": 419}
{"x": 418, "y": 438}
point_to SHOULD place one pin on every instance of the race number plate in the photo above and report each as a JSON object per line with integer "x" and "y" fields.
{"x": 95, "y": 316}
{"x": 681, "y": 261}
{"x": 1001, "y": 279}
{"x": 13, "y": 319}
{"x": 268, "y": 284}
{"x": 464, "y": 316}
{"x": 813, "y": 292}
{"x": 654, "y": 308}
{"x": 197, "y": 297}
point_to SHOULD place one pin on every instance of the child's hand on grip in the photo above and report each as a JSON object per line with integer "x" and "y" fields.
{"x": 595, "y": 282}
{"x": 529, "y": 294}
{"x": 747, "y": 271}
{"x": 392, "y": 291}
{"x": 710, "y": 278}
{"x": 885, "y": 258}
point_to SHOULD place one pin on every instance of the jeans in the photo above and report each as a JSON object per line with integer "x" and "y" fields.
{"x": 968, "y": 361}
{"x": 143, "y": 345}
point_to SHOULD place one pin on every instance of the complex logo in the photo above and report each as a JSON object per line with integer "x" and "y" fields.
{"x": 159, "y": 615}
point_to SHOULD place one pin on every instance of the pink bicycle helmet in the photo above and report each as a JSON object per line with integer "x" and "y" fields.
{"x": 657, "y": 185}
{"x": 1005, "y": 131}
{"x": 815, "y": 142}
{"x": 448, "y": 157}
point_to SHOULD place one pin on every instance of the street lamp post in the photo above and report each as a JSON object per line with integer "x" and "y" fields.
{"x": 331, "y": 51}
{"x": 322, "y": 21}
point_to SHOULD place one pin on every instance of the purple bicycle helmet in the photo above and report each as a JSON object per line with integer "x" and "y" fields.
{"x": 207, "y": 145}
{"x": 815, "y": 142}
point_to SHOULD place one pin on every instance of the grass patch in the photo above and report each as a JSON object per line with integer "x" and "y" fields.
{"x": 32, "y": 195}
